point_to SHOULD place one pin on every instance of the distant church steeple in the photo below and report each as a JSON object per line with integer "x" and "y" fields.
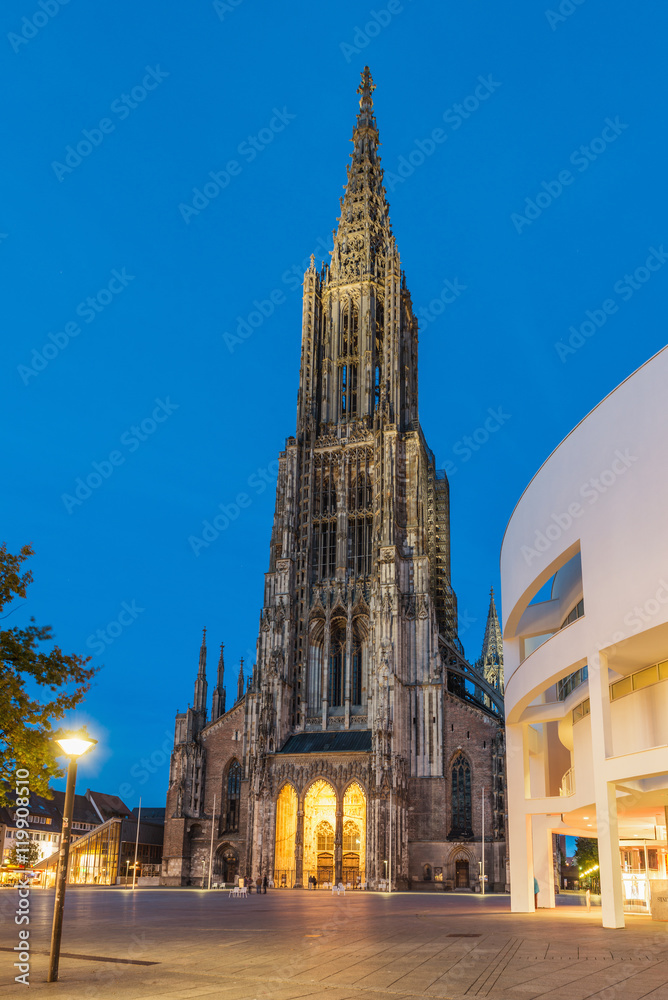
{"x": 199, "y": 700}
{"x": 490, "y": 663}
{"x": 240, "y": 682}
{"x": 218, "y": 702}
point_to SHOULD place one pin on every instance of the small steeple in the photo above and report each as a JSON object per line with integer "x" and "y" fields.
{"x": 218, "y": 703}
{"x": 240, "y": 682}
{"x": 199, "y": 700}
{"x": 490, "y": 663}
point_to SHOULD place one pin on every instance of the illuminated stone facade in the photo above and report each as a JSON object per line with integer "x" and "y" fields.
{"x": 361, "y": 698}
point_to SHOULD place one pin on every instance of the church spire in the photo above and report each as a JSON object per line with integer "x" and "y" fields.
{"x": 364, "y": 229}
{"x": 490, "y": 663}
{"x": 365, "y": 118}
{"x": 218, "y": 703}
{"x": 199, "y": 701}
{"x": 240, "y": 682}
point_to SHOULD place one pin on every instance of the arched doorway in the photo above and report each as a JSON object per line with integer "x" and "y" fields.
{"x": 230, "y": 865}
{"x": 319, "y": 827}
{"x": 325, "y": 848}
{"x": 286, "y": 835}
{"x": 461, "y": 873}
{"x": 353, "y": 869}
{"x": 225, "y": 864}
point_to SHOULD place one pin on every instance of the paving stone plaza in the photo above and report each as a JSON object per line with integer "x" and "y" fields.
{"x": 285, "y": 945}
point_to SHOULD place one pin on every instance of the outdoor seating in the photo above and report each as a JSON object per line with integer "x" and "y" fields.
{"x": 340, "y": 888}
{"x": 239, "y": 890}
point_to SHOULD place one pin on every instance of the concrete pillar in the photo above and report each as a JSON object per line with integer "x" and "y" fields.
{"x": 612, "y": 898}
{"x": 299, "y": 848}
{"x": 607, "y": 829}
{"x": 542, "y": 860}
{"x": 519, "y": 824}
{"x": 338, "y": 844}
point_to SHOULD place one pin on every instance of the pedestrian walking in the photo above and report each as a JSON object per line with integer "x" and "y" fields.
{"x": 264, "y": 885}
{"x": 258, "y": 883}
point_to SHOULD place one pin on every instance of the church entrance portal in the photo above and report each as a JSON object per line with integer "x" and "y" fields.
{"x": 461, "y": 874}
{"x": 351, "y": 871}
{"x": 325, "y": 868}
{"x": 320, "y": 825}
{"x": 225, "y": 865}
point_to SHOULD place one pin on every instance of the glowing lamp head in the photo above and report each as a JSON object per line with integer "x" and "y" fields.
{"x": 75, "y": 744}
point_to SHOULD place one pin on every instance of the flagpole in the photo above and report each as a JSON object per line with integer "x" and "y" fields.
{"x": 213, "y": 824}
{"x": 482, "y": 796}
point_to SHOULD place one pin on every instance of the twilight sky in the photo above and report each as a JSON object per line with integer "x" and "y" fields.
{"x": 169, "y": 170}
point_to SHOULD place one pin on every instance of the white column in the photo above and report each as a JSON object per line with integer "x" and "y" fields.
{"x": 543, "y": 866}
{"x": 612, "y": 899}
{"x": 519, "y": 824}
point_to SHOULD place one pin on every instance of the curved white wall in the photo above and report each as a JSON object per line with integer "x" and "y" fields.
{"x": 603, "y": 493}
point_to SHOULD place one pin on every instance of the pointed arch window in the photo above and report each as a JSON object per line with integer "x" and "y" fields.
{"x": 462, "y": 824}
{"x": 325, "y": 836}
{"x": 361, "y": 492}
{"x": 360, "y": 534}
{"x": 348, "y": 389}
{"x": 345, "y": 331}
{"x": 351, "y": 836}
{"x": 337, "y": 659}
{"x": 233, "y": 800}
{"x": 380, "y": 324}
{"x": 328, "y": 497}
{"x": 324, "y": 524}
{"x": 356, "y": 680}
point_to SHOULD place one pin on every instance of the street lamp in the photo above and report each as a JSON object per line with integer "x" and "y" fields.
{"x": 72, "y": 745}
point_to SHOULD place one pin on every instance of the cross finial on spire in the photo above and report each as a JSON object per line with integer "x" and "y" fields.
{"x": 366, "y": 87}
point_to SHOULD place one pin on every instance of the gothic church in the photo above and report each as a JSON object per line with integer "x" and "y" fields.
{"x": 364, "y": 748}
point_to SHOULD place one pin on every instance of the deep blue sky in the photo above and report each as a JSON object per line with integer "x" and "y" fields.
{"x": 554, "y": 86}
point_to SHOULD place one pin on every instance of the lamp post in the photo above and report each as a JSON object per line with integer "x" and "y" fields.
{"x": 72, "y": 745}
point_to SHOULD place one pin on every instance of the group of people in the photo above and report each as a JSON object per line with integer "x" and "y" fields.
{"x": 261, "y": 884}
{"x": 312, "y": 882}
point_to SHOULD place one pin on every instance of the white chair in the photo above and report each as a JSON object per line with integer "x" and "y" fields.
{"x": 340, "y": 888}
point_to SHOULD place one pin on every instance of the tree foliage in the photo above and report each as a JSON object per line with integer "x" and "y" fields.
{"x": 586, "y": 852}
{"x": 26, "y": 735}
{"x": 25, "y": 854}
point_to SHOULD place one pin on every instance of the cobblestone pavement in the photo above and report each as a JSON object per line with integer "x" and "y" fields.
{"x": 289, "y": 944}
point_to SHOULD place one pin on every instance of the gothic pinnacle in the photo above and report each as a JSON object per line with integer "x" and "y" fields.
{"x": 218, "y": 703}
{"x": 365, "y": 90}
{"x": 202, "y": 653}
{"x": 240, "y": 682}
{"x": 199, "y": 702}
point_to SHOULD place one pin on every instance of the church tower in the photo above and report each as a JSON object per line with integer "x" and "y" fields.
{"x": 359, "y": 613}
{"x": 363, "y": 722}
{"x": 490, "y": 663}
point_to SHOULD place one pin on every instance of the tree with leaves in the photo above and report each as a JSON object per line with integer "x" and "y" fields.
{"x": 26, "y": 736}
{"x": 586, "y": 856}
{"x": 25, "y": 854}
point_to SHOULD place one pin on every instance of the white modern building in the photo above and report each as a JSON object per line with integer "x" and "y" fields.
{"x": 584, "y": 571}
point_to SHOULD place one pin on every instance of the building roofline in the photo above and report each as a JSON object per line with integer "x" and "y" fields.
{"x": 573, "y": 430}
